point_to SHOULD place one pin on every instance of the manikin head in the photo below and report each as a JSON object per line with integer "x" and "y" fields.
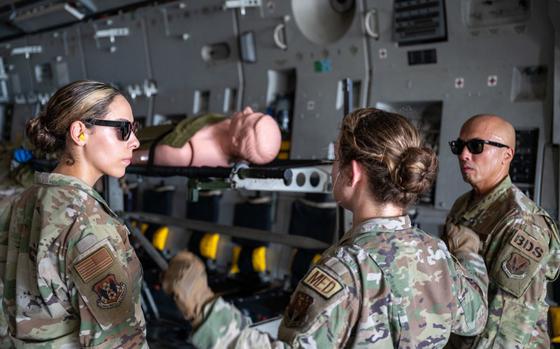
{"x": 485, "y": 170}
{"x": 246, "y": 135}
{"x": 255, "y": 137}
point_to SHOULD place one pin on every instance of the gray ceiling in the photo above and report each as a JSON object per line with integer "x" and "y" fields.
{"x": 18, "y": 17}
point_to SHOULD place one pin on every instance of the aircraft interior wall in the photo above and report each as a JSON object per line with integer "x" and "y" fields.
{"x": 289, "y": 58}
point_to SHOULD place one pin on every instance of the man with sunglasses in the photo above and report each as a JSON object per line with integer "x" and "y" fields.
{"x": 520, "y": 242}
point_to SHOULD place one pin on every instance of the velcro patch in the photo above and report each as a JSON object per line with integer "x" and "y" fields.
{"x": 94, "y": 264}
{"x": 296, "y": 314}
{"x": 516, "y": 266}
{"x": 322, "y": 283}
{"x": 527, "y": 245}
{"x": 110, "y": 292}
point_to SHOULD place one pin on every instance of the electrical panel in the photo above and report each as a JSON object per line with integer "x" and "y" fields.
{"x": 484, "y": 13}
{"x": 419, "y": 21}
{"x": 524, "y": 163}
{"x": 59, "y": 62}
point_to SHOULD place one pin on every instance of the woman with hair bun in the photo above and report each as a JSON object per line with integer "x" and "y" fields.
{"x": 69, "y": 277}
{"x": 385, "y": 284}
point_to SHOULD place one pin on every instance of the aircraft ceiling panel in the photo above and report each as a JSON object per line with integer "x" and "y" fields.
{"x": 115, "y": 52}
{"x": 6, "y": 30}
{"x": 194, "y": 55}
{"x": 315, "y": 45}
{"x": 106, "y": 5}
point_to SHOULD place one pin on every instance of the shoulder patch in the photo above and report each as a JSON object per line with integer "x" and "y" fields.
{"x": 105, "y": 284}
{"x": 528, "y": 245}
{"x": 516, "y": 266}
{"x": 94, "y": 264}
{"x": 296, "y": 313}
{"x": 322, "y": 283}
{"x": 110, "y": 292}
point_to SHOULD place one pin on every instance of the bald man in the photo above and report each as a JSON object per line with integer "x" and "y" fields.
{"x": 520, "y": 242}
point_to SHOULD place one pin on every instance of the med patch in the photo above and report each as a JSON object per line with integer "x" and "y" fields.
{"x": 322, "y": 283}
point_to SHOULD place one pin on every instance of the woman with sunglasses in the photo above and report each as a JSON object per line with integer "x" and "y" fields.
{"x": 69, "y": 274}
{"x": 385, "y": 284}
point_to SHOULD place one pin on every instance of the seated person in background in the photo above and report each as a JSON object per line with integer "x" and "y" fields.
{"x": 211, "y": 140}
{"x": 16, "y": 173}
{"x": 385, "y": 284}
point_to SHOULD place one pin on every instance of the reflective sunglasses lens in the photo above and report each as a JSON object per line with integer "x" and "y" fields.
{"x": 125, "y": 131}
{"x": 475, "y": 146}
{"x": 456, "y": 146}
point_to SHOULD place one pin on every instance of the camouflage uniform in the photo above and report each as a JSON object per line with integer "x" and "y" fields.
{"x": 384, "y": 285}
{"x": 520, "y": 247}
{"x": 68, "y": 275}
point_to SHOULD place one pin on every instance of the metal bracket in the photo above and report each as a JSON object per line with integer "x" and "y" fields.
{"x": 43, "y": 98}
{"x": 3, "y": 75}
{"x": 134, "y": 91}
{"x": 111, "y": 33}
{"x": 241, "y": 4}
{"x": 150, "y": 88}
{"x": 371, "y": 23}
{"x": 316, "y": 179}
{"x": 20, "y": 98}
{"x": 277, "y": 36}
{"x": 26, "y": 50}
{"x": 194, "y": 186}
{"x": 32, "y": 98}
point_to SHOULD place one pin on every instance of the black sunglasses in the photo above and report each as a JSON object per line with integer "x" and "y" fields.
{"x": 475, "y": 146}
{"x": 126, "y": 127}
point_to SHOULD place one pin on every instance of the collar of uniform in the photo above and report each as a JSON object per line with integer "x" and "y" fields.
{"x": 63, "y": 180}
{"x": 474, "y": 208}
{"x": 380, "y": 224}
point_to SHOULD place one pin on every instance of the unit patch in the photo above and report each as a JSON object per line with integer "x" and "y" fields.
{"x": 94, "y": 264}
{"x": 322, "y": 283}
{"x": 528, "y": 245}
{"x": 516, "y": 266}
{"x": 110, "y": 292}
{"x": 296, "y": 314}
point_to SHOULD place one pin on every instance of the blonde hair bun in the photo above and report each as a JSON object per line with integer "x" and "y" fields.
{"x": 416, "y": 170}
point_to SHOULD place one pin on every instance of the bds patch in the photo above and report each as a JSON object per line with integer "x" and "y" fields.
{"x": 528, "y": 245}
{"x": 516, "y": 266}
{"x": 110, "y": 292}
{"x": 322, "y": 283}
